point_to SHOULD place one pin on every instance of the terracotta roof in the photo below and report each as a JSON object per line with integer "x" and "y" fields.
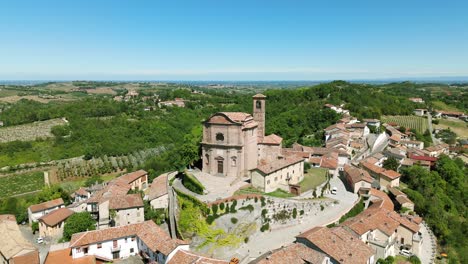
{"x": 125, "y": 201}
{"x": 151, "y": 234}
{"x": 432, "y": 159}
{"x": 159, "y": 187}
{"x": 114, "y": 188}
{"x": 335, "y": 126}
{"x": 330, "y": 161}
{"x": 28, "y": 258}
{"x": 356, "y": 125}
{"x": 391, "y": 174}
{"x": 268, "y": 167}
{"x": 402, "y": 199}
{"x": 339, "y": 244}
{"x": 237, "y": 116}
{"x": 272, "y": 139}
{"x": 437, "y": 147}
{"x": 383, "y": 201}
{"x": 46, "y": 205}
{"x": 64, "y": 256}
{"x": 56, "y": 216}
{"x": 131, "y": 177}
{"x": 259, "y": 96}
{"x": 294, "y": 254}
{"x": 315, "y": 160}
{"x": 81, "y": 192}
{"x": 395, "y": 191}
{"x": 404, "y": 221}
{"x": 372, "y": 219}
{"x": 186, "y": 257}
{"x": 357, "y": 174}
{"x": 13, "y": 244}
{"x": 372, "y": 167}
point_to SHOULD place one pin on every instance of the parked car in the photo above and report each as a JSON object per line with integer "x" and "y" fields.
{"x": 40, "y": 240}
{"x": 334, "y": 190}
{"x": 406, "y": 253}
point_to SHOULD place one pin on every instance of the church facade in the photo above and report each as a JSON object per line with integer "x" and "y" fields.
{"x": 234, "y": 145}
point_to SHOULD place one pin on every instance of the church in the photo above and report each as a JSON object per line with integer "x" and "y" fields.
{"x": 234, "y": 145}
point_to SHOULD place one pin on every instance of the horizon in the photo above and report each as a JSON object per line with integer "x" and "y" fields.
{"x": 238, "y": 41}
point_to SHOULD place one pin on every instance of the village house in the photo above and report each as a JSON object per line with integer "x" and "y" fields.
{"x": 137, "y": 180}
{"x": 437, "y": 150}
{"x": 145, "y": 239}
{"x": 187, "y": 257}
{"x": 234, "y": 145}
{"x": 372, "y": 122}
{"x": 340, "y": 245}
{"x": 419, "y": 112}
{"x": 14, "y": 248}
{"x": 158, "y": 192}
{"x": 80, "y": 195}
{"x": 36, "y": 211}
{"x": 61, "y": 254}
{"x": 357, "y": 178}
{"x": 296, "y": 253}
{"x": 51, "y": 225}
{"x": 358, "y": 130}
{"x": 386, "y": 178}
{"x": 451, "y": 114}
{"x": 412, "y": 144}
{"x": 179, "y": 102}
{"x": 337, "y": 109}
{"x": 401, "y": 198}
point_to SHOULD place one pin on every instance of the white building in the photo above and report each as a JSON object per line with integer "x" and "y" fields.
{"x": 146, "y": 239}
{"x": 36, "y": 211}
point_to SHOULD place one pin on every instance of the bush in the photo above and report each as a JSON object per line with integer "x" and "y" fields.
{"x": 414, "y": 260}
{"x": 301, "y": 212}
{"x": 264, "y": 212}
{"x": 263, "y": 201}
{"x": 249, "y": 207}
{"x": 227, "y": 209}
{"x": 192, "y": 184}
{"x": 306, "y": 166}
{"x": 256, "y": 199}
{"x": 35, "y": 227}
{"x": 221, "y": 206}
{"x": 265, "y": 227}
{"x": 233, "y": 206}
{"x": 246, "y": 240}
{"x": 234, "y": 220}
{"x": 322, "y": 207}
{"x": 214, "y": 208}
{"x": 294, "y": 213}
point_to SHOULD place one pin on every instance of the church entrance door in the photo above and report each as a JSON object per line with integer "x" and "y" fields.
{"x": 220, "y": 167}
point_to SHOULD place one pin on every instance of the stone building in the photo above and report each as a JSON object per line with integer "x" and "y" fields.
{"x": 234, "y": 145}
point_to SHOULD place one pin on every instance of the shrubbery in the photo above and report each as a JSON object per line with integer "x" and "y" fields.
{"x": 191, "y": 183}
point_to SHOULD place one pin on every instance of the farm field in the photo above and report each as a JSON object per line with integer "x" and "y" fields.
{"x": 458, "y": 126}
{"x": 29, "y": 132}
{"x": 22, "y": 183}
{"x": 439, "y": 105}
{"x": 412, "y": 122}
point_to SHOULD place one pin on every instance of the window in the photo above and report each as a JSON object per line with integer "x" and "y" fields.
{"x": 234, "y": 161}
{"x": 207, "y": 159}
{"x": 219, "y": 137}
{"x": 276, "y": 178}
{"x": 133, "y": 238}
{"x": 220, "y": 166}
{"x": 99, "y": 245}
{"x": 131, "y": 250}
{"x": 258, "y": 105}
{"x": 268, "y": 182}
{"x": 85, "y": 250}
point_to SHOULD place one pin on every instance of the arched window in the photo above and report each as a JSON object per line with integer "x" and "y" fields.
{"x": 207, "y": 159}
{"x": 219, "y": 137}
{"x": 234, "y": 161}
{"x": 258, "y": 105}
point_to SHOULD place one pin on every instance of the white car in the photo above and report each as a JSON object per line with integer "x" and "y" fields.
{"x": 334, "y": 190}
{"x": 39, "y": 240}
{"x": 406, "y": 253}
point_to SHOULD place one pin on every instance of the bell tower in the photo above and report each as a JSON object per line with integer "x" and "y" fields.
{"x": 259, "y": 113}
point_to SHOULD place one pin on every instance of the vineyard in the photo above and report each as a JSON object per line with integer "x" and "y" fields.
{"x": 78, "y": 168}
{"x": 30, "y": 132}
{"x": 22, "y": 183}
{"x": 412, "y": 122}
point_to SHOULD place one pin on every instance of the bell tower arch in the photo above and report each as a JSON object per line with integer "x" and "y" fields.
{"x": 259, "y": 101}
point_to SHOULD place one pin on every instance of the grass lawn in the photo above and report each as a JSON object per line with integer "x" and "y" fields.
{"x": 458, "y": 126}
{"x": 251, "y": 190}
{"x": 22, "y": 183}
{"x": 439, "y": 105}
{"x": 313, "y": 178}
{"x": 72, "y": 186}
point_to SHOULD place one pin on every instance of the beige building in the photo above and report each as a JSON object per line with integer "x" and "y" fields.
{"x": 14, "y": 248}
{"x": 234, "y": 145}
{"x": 51, "y": 225}
{"x": 357, "y": 178}
{"x": 158, "y": 192}
{"x": 36, "y": 211}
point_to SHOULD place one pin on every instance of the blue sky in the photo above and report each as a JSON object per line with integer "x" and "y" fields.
{"x": 232, "y": 40}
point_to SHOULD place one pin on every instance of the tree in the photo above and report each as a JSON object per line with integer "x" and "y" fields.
{"x": 391, "y": 164}
{"x": 93, "y": 180}
{"x": 51, "y": 193}
{"x": 76, "y": 223}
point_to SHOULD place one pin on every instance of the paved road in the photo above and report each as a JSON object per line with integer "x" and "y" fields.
{"x": 43, "y": 248}
{"x": 429, "y": 121}
{"x": 263, "y": 242}
{"x": 428, "y": 249}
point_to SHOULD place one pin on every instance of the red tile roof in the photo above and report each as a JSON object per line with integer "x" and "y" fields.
{"x": 82, "y": 192}
{"x": 268, "y": 167}
{"x": 64, "y": 256}
{"x": 186, "y": 257}
{"x": 259, "y": 96}
{"x": 125, "y": 201}
{"x": 159, "y": 187}
{"x": 131, "y": 177}
{"x": 56, "y": 216}
{"x": 294, "y": 254}
{"x": 330, "y": 161}
{"x": 340, "y": 244}
{"x": 151, "y": 234}
{"x": 29, "y": 258}
{"x": 272, "y": 140}
{"x": 46, "y": 205}
{"x": 391, "y": 174}
{"x": 383, "y": 201}
{"x": 357, "y": 174}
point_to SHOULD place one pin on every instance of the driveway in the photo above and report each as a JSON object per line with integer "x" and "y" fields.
{"x": 265, "y": 242}
{"x": 43, "y": 248}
